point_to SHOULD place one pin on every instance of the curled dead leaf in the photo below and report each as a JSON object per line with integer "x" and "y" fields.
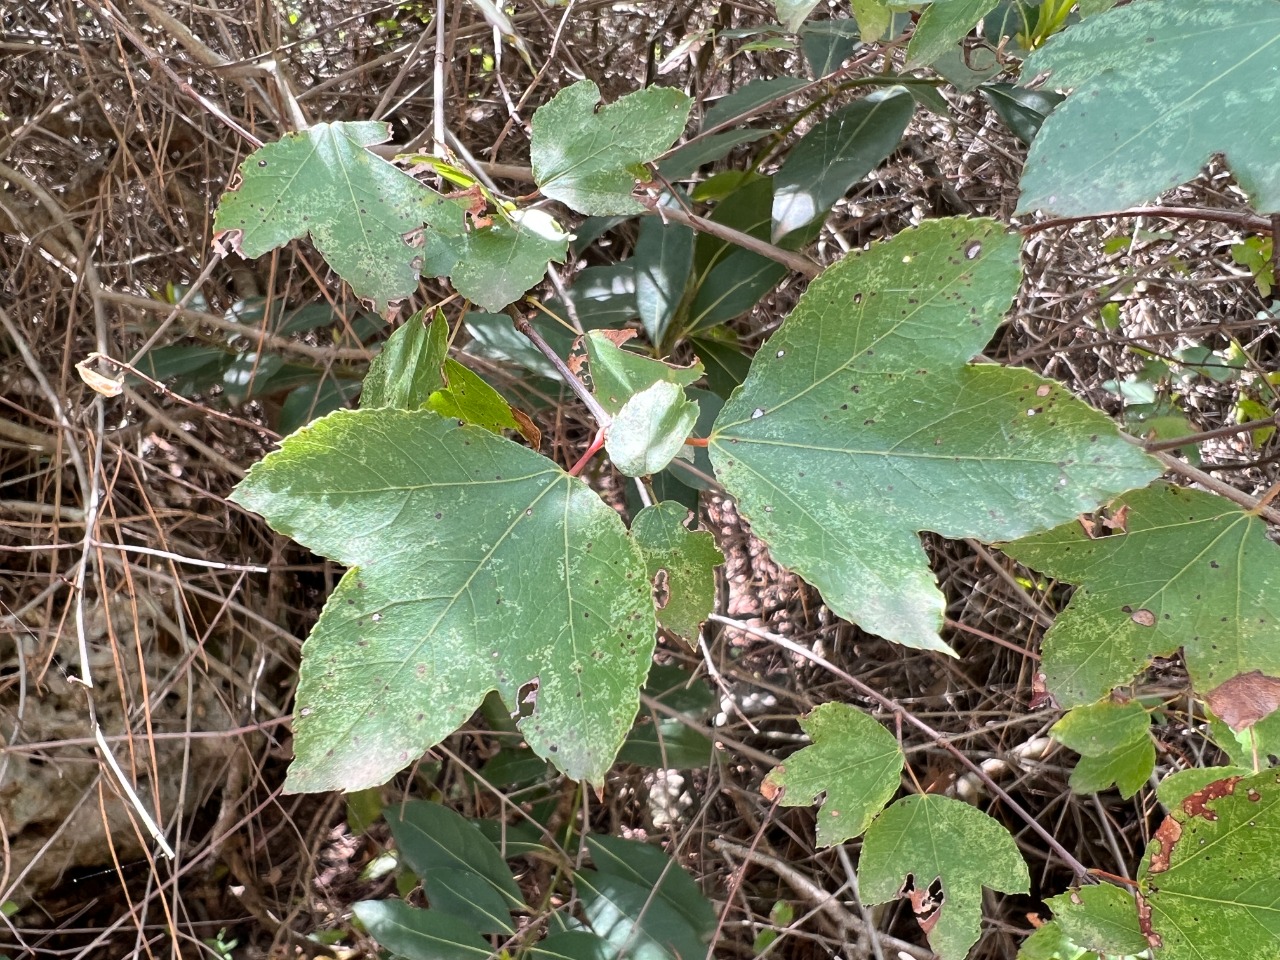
{"x": 1244, "y": 699}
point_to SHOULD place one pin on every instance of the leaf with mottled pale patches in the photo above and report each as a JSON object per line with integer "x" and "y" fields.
{"x": 587, "y": 155}
{"x": 1192, "y": 570}
{"x": 1159, "y": 87}
{"x": 475, "y": 565}
{"x": 360, "y": 211}
{"x": 854, "y": 761}
{"x": 862, "y": 423}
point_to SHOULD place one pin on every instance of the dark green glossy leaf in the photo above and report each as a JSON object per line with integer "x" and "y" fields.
{"x": 835, "y": 155}
{"x": 684, "y": 162}
{"x": 829, "y": 43}
{"x": 943, "y": 25}
{"x": 306, "y": 403}
{"x": 585, "y": 155}
{"x": 432, "y": 837}
{"x": 750, "y": 95}
{"x": 720, "y": 353}
{"x": 415, "y": 934}
{"x": 476, "y": 565}
{"x": 861, "y": 423}
{"x": 649, "y": 867}
{"x": 574, "y": 945}
{"x": 1157, "y": 89}
{"x": 1022, "y": 110}
{"x": 662, "y": 261}
{"x": 735, "y": 286}
{"x": 659, "y": 741}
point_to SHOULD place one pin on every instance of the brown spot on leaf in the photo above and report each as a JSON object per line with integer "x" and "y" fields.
{"x": 1143, "y": 617}
{"x": 1165, "y": 838}
{"x": 1043, "y": 390}
{"x": 768, "y": 788}
{"x": 1144, "y": 923}
{"x": 1195, "y": 805}
{"x": 1244, "y": 699}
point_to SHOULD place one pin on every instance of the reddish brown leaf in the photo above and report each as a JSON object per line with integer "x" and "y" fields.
{"x": 1246, "y": 698}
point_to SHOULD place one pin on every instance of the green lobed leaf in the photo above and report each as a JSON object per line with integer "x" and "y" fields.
{"x": 861, "y": 424}
{"x": 943, "y": 25}
{"x": 650, "y": 429}
{"x": 687, "y": 558}
{"x": 854, "y": 761}
{"x": 1160, "y": 86}
{"x": 1128, "y": 767}
{"x": 1193, "y": 571}
{"x": 836, "y": 154}
{"x": 476, "y": 565}
{"x": 408, "y": 369}
{"x": 1102, "y": 918}
{"x": 498, "y": 263}
{"x": 360, "y": 210}
{"x": 930, "y": 837}
{"x": 1208, "y": 880}
{"x": 1097, "y": 729}
{"x": 585, "y": 157}
{"x": 414, "y": 934}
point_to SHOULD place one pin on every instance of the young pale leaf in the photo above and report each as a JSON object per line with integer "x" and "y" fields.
{"x": 854, "y": 761}
{"x": 1208, "y": 881}
{"x": 465, "y": 396}
{"x": 360, "y": 210}
{"x": 835, "y": 155}
{"x": 861, "y": 424}
{"x": 414, "y": 934}
{"x": 408, "y": 370}
{"x": 1159, "y": 88}
{"x": 874, "y": 17}
{"x": 930, "y": 837}
{"x": 650, "y": 429}
{"x": 792, "y": 13}
{"x": 500, "y": 262}
{"x": 1101, "y": 918}
{"x": 586, "y": 157}
{"x": 617, "y": 375}
{"x": 476, "y": 565}
{"x": 1192, "y": 571}
{"x": 687, "y": 560}
{"x": 944, "y": 24}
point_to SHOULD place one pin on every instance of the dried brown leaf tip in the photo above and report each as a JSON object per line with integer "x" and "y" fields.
{"x": 1244, "y": 699}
